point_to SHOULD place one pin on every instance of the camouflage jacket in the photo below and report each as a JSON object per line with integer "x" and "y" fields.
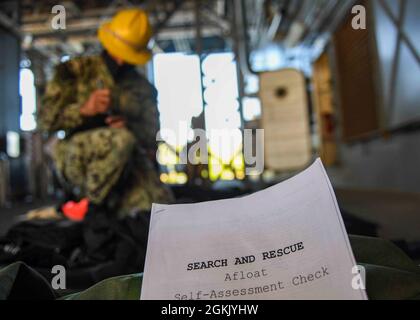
{"x": 73, "y": 81}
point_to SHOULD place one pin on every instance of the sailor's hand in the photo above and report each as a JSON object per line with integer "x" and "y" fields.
{"x": 98, "y": 102}
{"x": 115, "y": 121}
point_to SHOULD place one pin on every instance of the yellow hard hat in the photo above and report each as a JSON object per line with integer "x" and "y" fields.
{"x": 126, "y": 36}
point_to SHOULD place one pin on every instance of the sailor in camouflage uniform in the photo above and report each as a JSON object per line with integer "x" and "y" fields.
{"x": 109, "y": 115}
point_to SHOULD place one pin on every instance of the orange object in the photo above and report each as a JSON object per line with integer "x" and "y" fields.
{"x": 75, "y": 211}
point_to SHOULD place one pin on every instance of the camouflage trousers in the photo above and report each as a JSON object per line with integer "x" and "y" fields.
{"x": 93, "y": 161}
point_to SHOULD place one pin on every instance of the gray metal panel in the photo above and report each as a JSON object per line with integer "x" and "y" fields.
{"x": 412, "y": 22}
{"x": 398, "y": 42}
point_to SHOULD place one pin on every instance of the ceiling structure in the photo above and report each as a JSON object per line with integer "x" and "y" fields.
{"x": 199, "y": 26}
{"x": 174, "y": 23}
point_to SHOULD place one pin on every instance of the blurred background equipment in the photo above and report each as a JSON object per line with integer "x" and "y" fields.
{"x": 284, "y": 97}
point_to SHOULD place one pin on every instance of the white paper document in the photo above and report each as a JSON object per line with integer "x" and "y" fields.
{"x": 285, "y": 242}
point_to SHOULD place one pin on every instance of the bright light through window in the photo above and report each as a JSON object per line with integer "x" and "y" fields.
{"x": 177, "y": 79}
{"x": 28, "y": 94}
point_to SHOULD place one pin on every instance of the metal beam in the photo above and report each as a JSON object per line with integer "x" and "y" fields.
{"x": 10, "y": 25}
